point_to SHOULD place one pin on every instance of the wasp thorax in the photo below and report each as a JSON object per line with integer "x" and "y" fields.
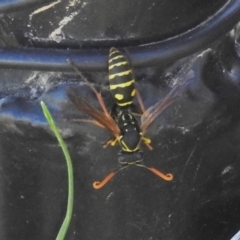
{"x": 130, "y": 132}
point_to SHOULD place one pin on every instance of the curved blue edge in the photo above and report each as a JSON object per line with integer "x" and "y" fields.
{"x": 15, "y": 108}
{"x": 21, "y": 110}
{"x": 145, "y": 55}
{"x": 8, "y": 6}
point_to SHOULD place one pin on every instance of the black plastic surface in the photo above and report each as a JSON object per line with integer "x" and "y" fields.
{"x": 92, "y": 22}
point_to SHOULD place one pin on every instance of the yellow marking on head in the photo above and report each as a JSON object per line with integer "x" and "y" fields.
{"x": 112, "y": 76}
{"x": 121, "y": 85}
{"x": 119, "y": 96}
{"x": 125, "y": 124}
{"x": 133, "y": 93}
{"x": 126, "y": 148}
{"x": 114, "y": 58}
{"x": 124, "y": 104}
{"x": 117, "y": 64}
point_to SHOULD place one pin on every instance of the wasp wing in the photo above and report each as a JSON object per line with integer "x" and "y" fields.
{"x": 154, "y": 111}
{"x": 101, "y": 118}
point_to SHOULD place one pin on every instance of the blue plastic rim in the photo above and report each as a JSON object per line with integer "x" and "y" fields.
{"x": 146, "y": 55}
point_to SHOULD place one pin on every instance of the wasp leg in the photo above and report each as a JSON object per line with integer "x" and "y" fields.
{"x": 111, "y": 142}
{"x": 147, "y": 142}
{"x": 98, "y": 94}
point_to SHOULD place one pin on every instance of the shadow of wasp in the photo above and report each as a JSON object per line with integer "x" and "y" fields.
{"x": 121, "y": 121}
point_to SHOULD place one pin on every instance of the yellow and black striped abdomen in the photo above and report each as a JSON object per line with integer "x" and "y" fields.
{"x": 121, "y": 80}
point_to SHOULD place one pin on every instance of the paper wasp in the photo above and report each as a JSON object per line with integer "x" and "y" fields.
{"x": 121, "y": 121}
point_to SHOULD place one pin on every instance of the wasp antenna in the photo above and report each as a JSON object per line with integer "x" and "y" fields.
{"x": 166, "y": 177}
{"x": 98, "y": 185}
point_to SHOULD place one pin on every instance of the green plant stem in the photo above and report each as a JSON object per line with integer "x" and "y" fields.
{"x": 65, "y": 225}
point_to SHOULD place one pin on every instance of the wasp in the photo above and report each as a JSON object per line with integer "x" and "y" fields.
{"x": 121, "y": 121}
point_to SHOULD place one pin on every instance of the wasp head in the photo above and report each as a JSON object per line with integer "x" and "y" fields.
{"x": 130, "y": 158}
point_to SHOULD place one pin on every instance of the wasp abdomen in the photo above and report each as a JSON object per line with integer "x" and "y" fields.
{"x": 121, "y": 80}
